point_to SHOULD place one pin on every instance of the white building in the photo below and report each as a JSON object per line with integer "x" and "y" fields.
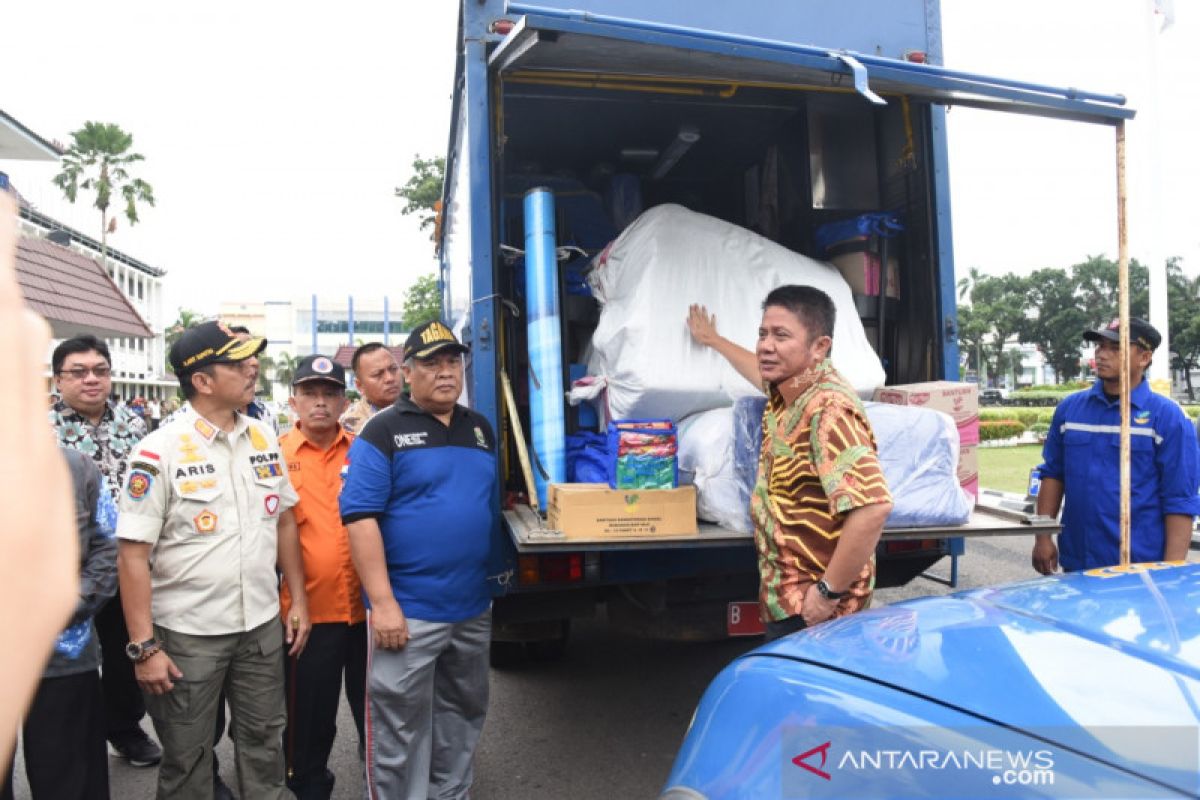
{"x": 81, "y": 300}
{"x": 317, "y": 324}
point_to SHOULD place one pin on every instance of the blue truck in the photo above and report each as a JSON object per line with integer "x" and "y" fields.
{"x": 591, "y": 100}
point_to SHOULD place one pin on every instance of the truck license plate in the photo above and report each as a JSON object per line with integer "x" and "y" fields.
{"x": 742, "y": 620}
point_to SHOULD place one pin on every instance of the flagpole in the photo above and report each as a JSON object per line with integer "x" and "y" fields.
{"x": 1148, "y": 158}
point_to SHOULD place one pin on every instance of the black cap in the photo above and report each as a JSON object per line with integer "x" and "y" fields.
{"x": 1141, "y": 333}
{"x": 432, "y": 337}
{"x": 211, "y": 343}
{"x": 319, "y": 368}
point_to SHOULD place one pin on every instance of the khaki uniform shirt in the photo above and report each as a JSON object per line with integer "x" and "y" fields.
{"x": 355, "y": 417}
{"x": 209, "y": 503}
{"x": 819, "y": 461}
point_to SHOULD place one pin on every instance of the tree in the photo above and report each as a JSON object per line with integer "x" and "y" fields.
{"x": 266, "y": 366}
{"x": 1056, "y": 321}
{"x": 186, "y": 319}
{"x": 285, "y": 368}
{"x": 998, "y": 302}
{"x": 97, "y": 161}
{"x": 1183, "y": 300}
{"x": 422, "y": 302}
{"x": 422, "y": 194}
{"x": 972, "y": 331}
{"x": 1097, "y": 281}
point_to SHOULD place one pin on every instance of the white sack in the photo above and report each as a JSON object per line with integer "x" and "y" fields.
{"x": 706, "y": 461}
{"x": 672, "y": 257}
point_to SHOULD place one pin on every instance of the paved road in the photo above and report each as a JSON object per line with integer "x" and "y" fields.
{"x": 605, "y": 721}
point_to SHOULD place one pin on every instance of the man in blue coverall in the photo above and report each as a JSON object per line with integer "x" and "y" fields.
{"x": 1082, "y": 461}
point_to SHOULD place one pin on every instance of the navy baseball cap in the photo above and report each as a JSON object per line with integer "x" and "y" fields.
{"x": 432, "y": 337}
{"x": 211, "y": 343}
{"x": 319, "y": 368}
{"x": 1141, "y": 333}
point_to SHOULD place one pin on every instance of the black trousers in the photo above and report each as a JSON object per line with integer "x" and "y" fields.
{"x": 63, "y": 741}
{"x": 335, "y": 656}
{"x": 123, "y": 705}
{"x": 777, "y": 630}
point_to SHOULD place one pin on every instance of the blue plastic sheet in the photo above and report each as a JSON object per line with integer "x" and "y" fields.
{"x": 863, "y": 226}
{"x": 587, "y": 457}
{"x": 918, "y": 451}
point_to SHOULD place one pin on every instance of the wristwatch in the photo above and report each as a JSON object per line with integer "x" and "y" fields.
{"x": 827, "y": 593}
{"x": 140, "y": 651}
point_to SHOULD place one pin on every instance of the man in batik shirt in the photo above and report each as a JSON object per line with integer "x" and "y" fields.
{"x": 820, "y": 500}
{"x": 85, "y": 420}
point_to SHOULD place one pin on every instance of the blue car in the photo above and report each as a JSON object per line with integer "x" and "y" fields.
{"x": 1084, "y": 685}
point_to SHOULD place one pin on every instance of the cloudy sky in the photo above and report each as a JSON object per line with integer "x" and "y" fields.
{"x": 275, "y": 133}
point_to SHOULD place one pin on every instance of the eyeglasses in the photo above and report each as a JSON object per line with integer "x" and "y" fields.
{"x": 80, "y": 373}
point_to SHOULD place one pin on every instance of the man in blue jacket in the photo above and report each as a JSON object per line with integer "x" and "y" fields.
{"x": 420, "y": 504}
{"x": 1082, "y": 462}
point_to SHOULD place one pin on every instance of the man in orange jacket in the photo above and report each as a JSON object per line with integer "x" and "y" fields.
{"x": 316, "y": 450}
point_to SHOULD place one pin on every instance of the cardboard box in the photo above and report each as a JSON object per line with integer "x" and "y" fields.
{"x": 968, "y": 468}
{"x": 959, "y": 400}
{"x": 861, "y": 271}
{"x": 594, "y": 511}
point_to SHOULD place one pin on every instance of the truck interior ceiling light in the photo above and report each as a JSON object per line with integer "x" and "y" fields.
{"x": 638, "y": 153}
{"x": 687, "y": 136}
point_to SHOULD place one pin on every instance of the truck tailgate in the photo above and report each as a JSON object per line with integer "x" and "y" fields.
{"x": 530, "y": 533}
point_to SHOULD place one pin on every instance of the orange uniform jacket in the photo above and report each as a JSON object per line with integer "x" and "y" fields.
{"x": 334, "y": 591}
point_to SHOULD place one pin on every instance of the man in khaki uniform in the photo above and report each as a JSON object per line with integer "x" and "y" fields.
{"x": 205, "y": 519}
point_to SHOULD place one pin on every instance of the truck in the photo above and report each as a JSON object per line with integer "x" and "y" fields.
{"x": 682, "y": 101}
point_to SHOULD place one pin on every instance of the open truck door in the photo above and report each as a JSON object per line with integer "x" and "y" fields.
{"x": 570, "y": 89}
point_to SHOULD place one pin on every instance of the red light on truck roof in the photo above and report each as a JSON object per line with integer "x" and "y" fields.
{"x": 916, "y": 57}
{"x": 502, "y": 26}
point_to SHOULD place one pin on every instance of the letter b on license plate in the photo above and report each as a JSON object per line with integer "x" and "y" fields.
{"x": 742, "y": 619}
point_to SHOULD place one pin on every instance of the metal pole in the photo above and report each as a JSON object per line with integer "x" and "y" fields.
{"x": 1123, "y": 305}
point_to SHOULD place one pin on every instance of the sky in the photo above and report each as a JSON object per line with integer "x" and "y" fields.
{"x": 275, "y": 133}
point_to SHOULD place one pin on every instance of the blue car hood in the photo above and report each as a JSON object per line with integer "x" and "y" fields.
{"x": 1104, "y": 648}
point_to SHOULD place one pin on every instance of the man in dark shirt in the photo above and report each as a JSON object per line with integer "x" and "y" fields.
{"x": 87, "y": 421}
{"x": 420, "y": 504}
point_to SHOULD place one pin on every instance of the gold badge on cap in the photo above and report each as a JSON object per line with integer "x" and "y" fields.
{"x": 437, "y": 332}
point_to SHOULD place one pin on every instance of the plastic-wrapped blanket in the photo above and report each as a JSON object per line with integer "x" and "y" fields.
{"x": 918, "y": 451}
{"x": 706, "y": 461}
{"x": 644, "y": 363}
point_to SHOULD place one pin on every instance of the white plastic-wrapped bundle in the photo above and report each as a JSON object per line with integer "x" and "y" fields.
{"x": 642, "y": 354}
{"x": 706, "y": 461}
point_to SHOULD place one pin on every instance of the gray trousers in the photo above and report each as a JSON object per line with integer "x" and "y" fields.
{"x": 249, "y": 667}
{"x": 425, "y": 708}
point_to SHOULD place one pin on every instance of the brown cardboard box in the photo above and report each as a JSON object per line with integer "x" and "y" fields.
{"x": 959, "y": 400}
{"x": 594, "y": 511}
{"x": 968, "y": 468}
{"x": 861, "y": 271}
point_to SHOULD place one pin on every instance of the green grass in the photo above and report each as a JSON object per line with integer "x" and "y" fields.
{"x": 1007, "y": 468}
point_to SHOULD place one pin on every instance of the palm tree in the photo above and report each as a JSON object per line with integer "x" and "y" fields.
{"x": 285, "y": 368}
{"x": 97, "y": 161}
{"x": 266, "y": 366}
{"x": 967, "y": 283}
{"x": 186, "y": 319}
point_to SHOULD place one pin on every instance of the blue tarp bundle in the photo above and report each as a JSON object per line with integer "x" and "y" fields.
{"x": 918, "y": 450}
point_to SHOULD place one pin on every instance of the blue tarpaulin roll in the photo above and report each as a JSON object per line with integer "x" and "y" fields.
{"x": 546, "y": 397}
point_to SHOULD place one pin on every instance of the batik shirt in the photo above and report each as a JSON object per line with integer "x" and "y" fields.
{"x": 818, "y": 462}
{"x": 110, "y": 443}
{"x": 355, "y": 417}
